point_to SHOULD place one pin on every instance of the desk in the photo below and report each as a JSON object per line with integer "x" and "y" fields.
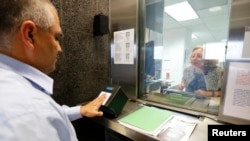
{"x": 199, "y": 134}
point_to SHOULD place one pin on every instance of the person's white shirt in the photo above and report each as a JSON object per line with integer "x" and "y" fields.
{"x": 27, "y": 111}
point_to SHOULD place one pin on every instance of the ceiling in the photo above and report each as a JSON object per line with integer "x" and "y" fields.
{"x": 209, "y": 27}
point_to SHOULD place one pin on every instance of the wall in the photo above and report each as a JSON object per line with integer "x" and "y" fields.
{"x": 83, "y": 69}
{"x": 175, "y": 42}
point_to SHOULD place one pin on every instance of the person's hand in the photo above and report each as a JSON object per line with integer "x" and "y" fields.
{"x": 181, "y": 85}
{"x": 91, "y": 109}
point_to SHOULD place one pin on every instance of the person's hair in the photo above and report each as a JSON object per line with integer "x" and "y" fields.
{"x": 14, "y": 12}
{"x": 211, "y": 63}
{"x": 197, "y": 47}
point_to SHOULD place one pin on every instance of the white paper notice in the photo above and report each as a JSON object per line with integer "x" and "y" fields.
{"x": 124, "y": 47}
{"x": 237, "y": 100}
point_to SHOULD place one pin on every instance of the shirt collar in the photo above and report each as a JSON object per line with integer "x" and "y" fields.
{"x": 32, "y": 74}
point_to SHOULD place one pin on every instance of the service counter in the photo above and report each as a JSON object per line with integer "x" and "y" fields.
{"x": 199, "y": 133}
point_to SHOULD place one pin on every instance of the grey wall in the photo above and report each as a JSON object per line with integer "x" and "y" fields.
{"x": 83, "y": 69}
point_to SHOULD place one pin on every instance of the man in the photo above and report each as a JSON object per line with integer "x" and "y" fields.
{"x": 29, "y": 32}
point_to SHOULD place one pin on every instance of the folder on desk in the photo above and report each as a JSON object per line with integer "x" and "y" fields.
{"x": 148, "y": 120}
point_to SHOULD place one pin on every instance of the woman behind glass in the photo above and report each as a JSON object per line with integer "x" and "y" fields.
{"x": 203, "y": 77}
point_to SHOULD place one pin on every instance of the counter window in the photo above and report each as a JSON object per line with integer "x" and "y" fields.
{"x": 182, "y": 53}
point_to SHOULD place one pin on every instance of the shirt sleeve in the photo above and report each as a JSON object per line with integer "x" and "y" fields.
{"x": 72, "y": 112}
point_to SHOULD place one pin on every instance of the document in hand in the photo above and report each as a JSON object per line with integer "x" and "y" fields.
{"x": 148, "y": 120}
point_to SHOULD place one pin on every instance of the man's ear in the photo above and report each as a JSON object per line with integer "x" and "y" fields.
{"x": 28, "y": 28}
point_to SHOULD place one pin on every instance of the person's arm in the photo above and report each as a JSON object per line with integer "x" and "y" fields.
{"x": 208, "y": 93}
{"x": 217, "y": 93}
{"x": 90, "y": 109}
{"x": 185, "y": 76}
{"x": 181, "y": 85}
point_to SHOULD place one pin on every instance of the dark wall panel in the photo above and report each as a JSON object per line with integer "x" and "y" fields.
{"x": 83, "y": 69}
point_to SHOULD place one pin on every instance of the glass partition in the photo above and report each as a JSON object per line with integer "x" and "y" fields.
{"x": 182, "y": 52}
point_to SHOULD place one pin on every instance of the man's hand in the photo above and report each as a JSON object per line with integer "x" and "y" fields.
{"x": 92, "y": 108}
